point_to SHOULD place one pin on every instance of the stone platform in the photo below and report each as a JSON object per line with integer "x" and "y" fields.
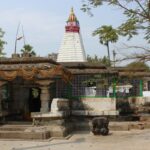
{"x": 23, "y": 132}
{"x": 30, "y": 132}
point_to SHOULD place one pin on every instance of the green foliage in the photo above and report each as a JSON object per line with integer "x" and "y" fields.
{"x": 2, "y": 43}
{"x": 107, "y": 34}
{"x": 35, "y": 92}
{"x": 105, "y": 61}
{"x": 94, "y": 60}
{"x": 128, "y": 29}
{"x": 99, "y": 80}
{"x": 138, "y": 65}
{"x": 97, "y": 60}
{"x": 137, "y": 13}
{"x": 28, "y": 49}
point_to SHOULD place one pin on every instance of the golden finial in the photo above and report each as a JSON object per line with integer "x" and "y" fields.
{"x": 72, "y": 16}
{"x": 72, "y": 12}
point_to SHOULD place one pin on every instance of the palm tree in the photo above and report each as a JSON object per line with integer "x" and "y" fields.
{"x": 28, "y": 49}
{"x": 106, "y": 35}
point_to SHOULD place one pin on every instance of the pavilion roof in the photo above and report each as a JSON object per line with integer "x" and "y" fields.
{"x": 31, "y": 68}
{"x": 87, "y": 68}
{"x": 27, "y": 60}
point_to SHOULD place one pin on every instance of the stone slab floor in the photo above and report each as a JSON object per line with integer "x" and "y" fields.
{"x": 117, "y": 140}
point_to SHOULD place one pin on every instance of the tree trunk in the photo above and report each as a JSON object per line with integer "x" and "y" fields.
{"x": 107, "y": 44}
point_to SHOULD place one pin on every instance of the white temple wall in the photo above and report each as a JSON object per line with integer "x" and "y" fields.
{"x": 71, "y": 49}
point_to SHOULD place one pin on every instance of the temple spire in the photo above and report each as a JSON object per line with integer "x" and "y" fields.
{"x": 72, "y": 16}
{"x": 72, "y": 10}
{"x": 72, "y": 23}
{"x": 72, "y": 49}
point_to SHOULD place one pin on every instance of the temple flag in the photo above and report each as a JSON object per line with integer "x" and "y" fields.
{"x": 19, "y": 38}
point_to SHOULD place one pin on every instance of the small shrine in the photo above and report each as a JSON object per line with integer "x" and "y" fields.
{"x": 26, "y": 82}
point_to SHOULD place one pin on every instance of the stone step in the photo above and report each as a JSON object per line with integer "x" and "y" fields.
{"x": 145, "y": 118}
{"x": 24, "y": 135}
{"x": 14, "y": 127}
{"x": 115, "y": 126}
{"x": 23, "y": 132}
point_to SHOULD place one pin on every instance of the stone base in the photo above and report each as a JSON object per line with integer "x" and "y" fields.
{"x": 94, "y": 113}
{"x": 145, "y": 118}
{"x": 56, "y": 114}
{"x": 47, "y": 118}
{"x": 57, "y": 123}
{"x": 59, "y": 130}
{"x": 23, "y": 132}
{"x": 23, "y": 135}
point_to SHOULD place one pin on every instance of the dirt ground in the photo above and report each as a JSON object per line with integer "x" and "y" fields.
{"x": 117, "y": 140}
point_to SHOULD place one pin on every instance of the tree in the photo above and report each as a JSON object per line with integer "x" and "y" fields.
{"x": 2, "y": 43}
{"x": 138, "y": 65}
{"x": 94, "y": 60}
{"x": 136, "y": 11}
{"x": 105, "y": 61}
{"x": 142, "y": 54}
{"x": 28, "y": 50}
{"x": 97, "y": 60}
{"x": 106, "y": 35}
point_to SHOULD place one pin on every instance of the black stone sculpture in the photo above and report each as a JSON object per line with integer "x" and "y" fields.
{"x": 100, "y": 126}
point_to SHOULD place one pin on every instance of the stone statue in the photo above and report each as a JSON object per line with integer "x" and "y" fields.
{"x": 100, "y": 126}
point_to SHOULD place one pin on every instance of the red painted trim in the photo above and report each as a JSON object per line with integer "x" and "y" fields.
{"x": 72, "y": 29}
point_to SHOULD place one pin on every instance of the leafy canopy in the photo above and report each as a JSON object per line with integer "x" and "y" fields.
{"x": 138, "y": 65}
{"x": 137, "y": 13}
{"x": 28, "y": 49}
{"x": 106, "y": 34}
{"x": 97, "y": 60}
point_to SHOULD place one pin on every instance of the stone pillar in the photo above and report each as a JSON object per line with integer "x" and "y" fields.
{"x": 45, "y": 99}
{"x": 44, "y": 85}
{"x": 145, "y": 85}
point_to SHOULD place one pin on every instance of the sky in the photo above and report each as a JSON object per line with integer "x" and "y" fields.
{"x": 44, "y": 21}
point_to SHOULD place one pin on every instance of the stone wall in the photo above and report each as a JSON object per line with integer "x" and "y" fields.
{"x": 94, "y": 106}
{"x": 137, "y": 101}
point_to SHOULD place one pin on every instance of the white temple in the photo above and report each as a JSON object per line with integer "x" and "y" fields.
{"x": 72, "y": 49}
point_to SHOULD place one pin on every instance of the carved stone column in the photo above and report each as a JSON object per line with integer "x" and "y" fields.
{"x": 44, "y": 85}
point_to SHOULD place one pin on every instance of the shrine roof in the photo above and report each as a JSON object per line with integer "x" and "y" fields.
{"x": 86, "y": 68}
{"x": 27, "y": 60}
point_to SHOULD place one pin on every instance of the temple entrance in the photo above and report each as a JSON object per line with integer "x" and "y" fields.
{"x": 34, "y": 100}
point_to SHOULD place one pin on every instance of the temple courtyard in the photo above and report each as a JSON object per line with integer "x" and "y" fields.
{"x": 117, "y": 140}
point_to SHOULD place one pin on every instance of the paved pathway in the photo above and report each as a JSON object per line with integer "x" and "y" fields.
{"x": 118, "y": 140}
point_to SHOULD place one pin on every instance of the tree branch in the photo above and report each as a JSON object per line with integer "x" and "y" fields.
{"x": 132, "y": 11}
{"x": 137, "y": 47}
{"x": 139, "y": 57}
{"x": 140, "y": 5}
{"x": 143, "y": 56}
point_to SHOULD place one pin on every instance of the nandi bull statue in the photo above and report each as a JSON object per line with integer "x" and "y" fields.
{"x": 100, "y": 126}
